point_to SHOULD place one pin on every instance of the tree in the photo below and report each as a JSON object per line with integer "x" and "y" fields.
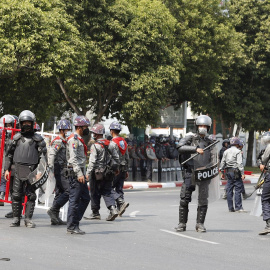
{"x": 38, "y": 43}
{"x": 204, "y": 38}
{"x": 131, "y": 59}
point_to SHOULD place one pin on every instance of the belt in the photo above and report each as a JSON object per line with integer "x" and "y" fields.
{"x": 230, "y": 169}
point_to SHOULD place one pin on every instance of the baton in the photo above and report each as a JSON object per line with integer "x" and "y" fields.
{"x": 207, "y": 147}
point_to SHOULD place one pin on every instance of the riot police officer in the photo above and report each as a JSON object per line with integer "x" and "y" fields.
{"x": 232, "y": 162}
{"x": 9, "y": 123}
{"x": 151, "y": 156}
{"x": 118, "y": 182}
{"x": 264, "y": 166}
{"x": 24, "y": 151}
{"x": 79, "y": 197}
{"x": 57, "y": 161}
{"x": 189, "y": 145}
{"x": 103, "y": 163}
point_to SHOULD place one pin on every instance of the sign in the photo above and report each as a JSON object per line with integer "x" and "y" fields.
{"x": 207, "y": 173}
{"x": 169, "y": 117}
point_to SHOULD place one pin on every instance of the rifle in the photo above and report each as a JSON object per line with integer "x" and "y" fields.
{"x": 259, "y": 184}
{"x": 207, "y": 147}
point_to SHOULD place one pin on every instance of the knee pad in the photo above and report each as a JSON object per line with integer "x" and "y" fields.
{"x": 17, "y": 196}
{"x": 32, "y": 197}
{"x": 184, "y": 203}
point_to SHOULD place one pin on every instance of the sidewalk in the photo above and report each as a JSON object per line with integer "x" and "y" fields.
{"x": 250, "y": 179}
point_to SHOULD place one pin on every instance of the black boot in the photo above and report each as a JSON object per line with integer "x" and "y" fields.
{"x": 121, "y": 206}
{"x": 16, "y": 209}
{"x": 29, "y": 210}
{"x": 9, "y": 215}
{"x": 60, "y": 221}
{"x": 266, "y": 229}
{"x": 183, "y": 217}
{"x": 52, "y": 212}
{"x": 201, "y": 213}
{"x": 113, "y": 213}
{"x": 94, "y": 215}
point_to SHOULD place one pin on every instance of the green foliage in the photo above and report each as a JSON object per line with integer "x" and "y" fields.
{"x": 131, "y": 57}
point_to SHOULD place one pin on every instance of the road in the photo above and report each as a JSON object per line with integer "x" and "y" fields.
{"x": 144, "y": 238}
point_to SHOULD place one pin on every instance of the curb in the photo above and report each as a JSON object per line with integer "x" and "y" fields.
{"x": 145, "y": 185}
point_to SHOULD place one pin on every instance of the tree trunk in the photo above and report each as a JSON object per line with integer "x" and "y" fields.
{"x": 224, "y": 133}
{"x": 250, "y": 147}
{"x": 239, "y": 126}
{"x": 231, "y": 130}
{"x": 68, "y": 99}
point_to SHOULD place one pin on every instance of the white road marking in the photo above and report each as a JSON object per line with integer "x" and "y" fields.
{"x": 188, "y": 204}
{"x": 193, "y": 238}
{"x": 152, "y": 191}
{"x": 133, "y": 214}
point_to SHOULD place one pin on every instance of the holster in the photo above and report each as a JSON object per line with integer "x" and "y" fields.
{"x": 68, "y": 172}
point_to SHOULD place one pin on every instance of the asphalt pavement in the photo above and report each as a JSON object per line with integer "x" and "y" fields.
{"x": 144, "y": 238}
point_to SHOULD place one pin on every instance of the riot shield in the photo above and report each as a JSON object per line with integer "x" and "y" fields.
{"x": 137, "y": 170}
{"x": 154, "y": 171}
{"x": 40, "y": 175}
{"x": 169, "y": 170}
{"x": 163, "y": 168}
{"x": 173, "y": 170}
{"x": 48, "y": 187}
{"x": 207, "y": 175}
{"x": 257, "y": 207}
{"x": 130, "y": 170}
{"x": 178, "y": 170}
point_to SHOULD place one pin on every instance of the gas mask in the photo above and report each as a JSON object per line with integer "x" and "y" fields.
{"x": 93, "y": 136}
{"x": 202, "y": 131}
{"x": 86, "y": 132}
{"x": 26, "y": 128}
{"x": 67, "y": 134}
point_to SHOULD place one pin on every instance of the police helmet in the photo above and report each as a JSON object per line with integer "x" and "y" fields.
{"x": 203, "y": 120}
{"x": 234, "y": 141}
{"x": 115, "y": 126}
{"x": 27, "y": 115}
{"x": 9, "y": 119}
{"x": 64, "y": 124}
{"x": 81, "y": 121}
{"x": 225, "y": 141}
{"x": 98, "y": 129}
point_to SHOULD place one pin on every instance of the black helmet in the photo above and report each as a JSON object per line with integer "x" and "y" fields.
{"x": 225, "y": 141}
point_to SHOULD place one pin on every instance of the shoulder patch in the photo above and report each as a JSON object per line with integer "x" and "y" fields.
{"x": 75, "y": 145}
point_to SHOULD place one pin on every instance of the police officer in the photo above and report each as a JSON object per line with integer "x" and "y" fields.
{"x": 79, "y": 197}
{"x": 225, "y": 146}
{"x": 264, "y": 166}
{"x": 9, "y": 123}
{"x": 118, "y": 182}
{"x": 232, "y": 162}
{"x": 103, "y": 158}
{"x": 24, "y": 151}
{"x": 192, "y": 144}
{"x": 161, "y": 155}
{"x": 151, "y": 156}
{"x": 7, "y": 142}
{"x": 244, "y": 194}
{"x": 57, "y": 162}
